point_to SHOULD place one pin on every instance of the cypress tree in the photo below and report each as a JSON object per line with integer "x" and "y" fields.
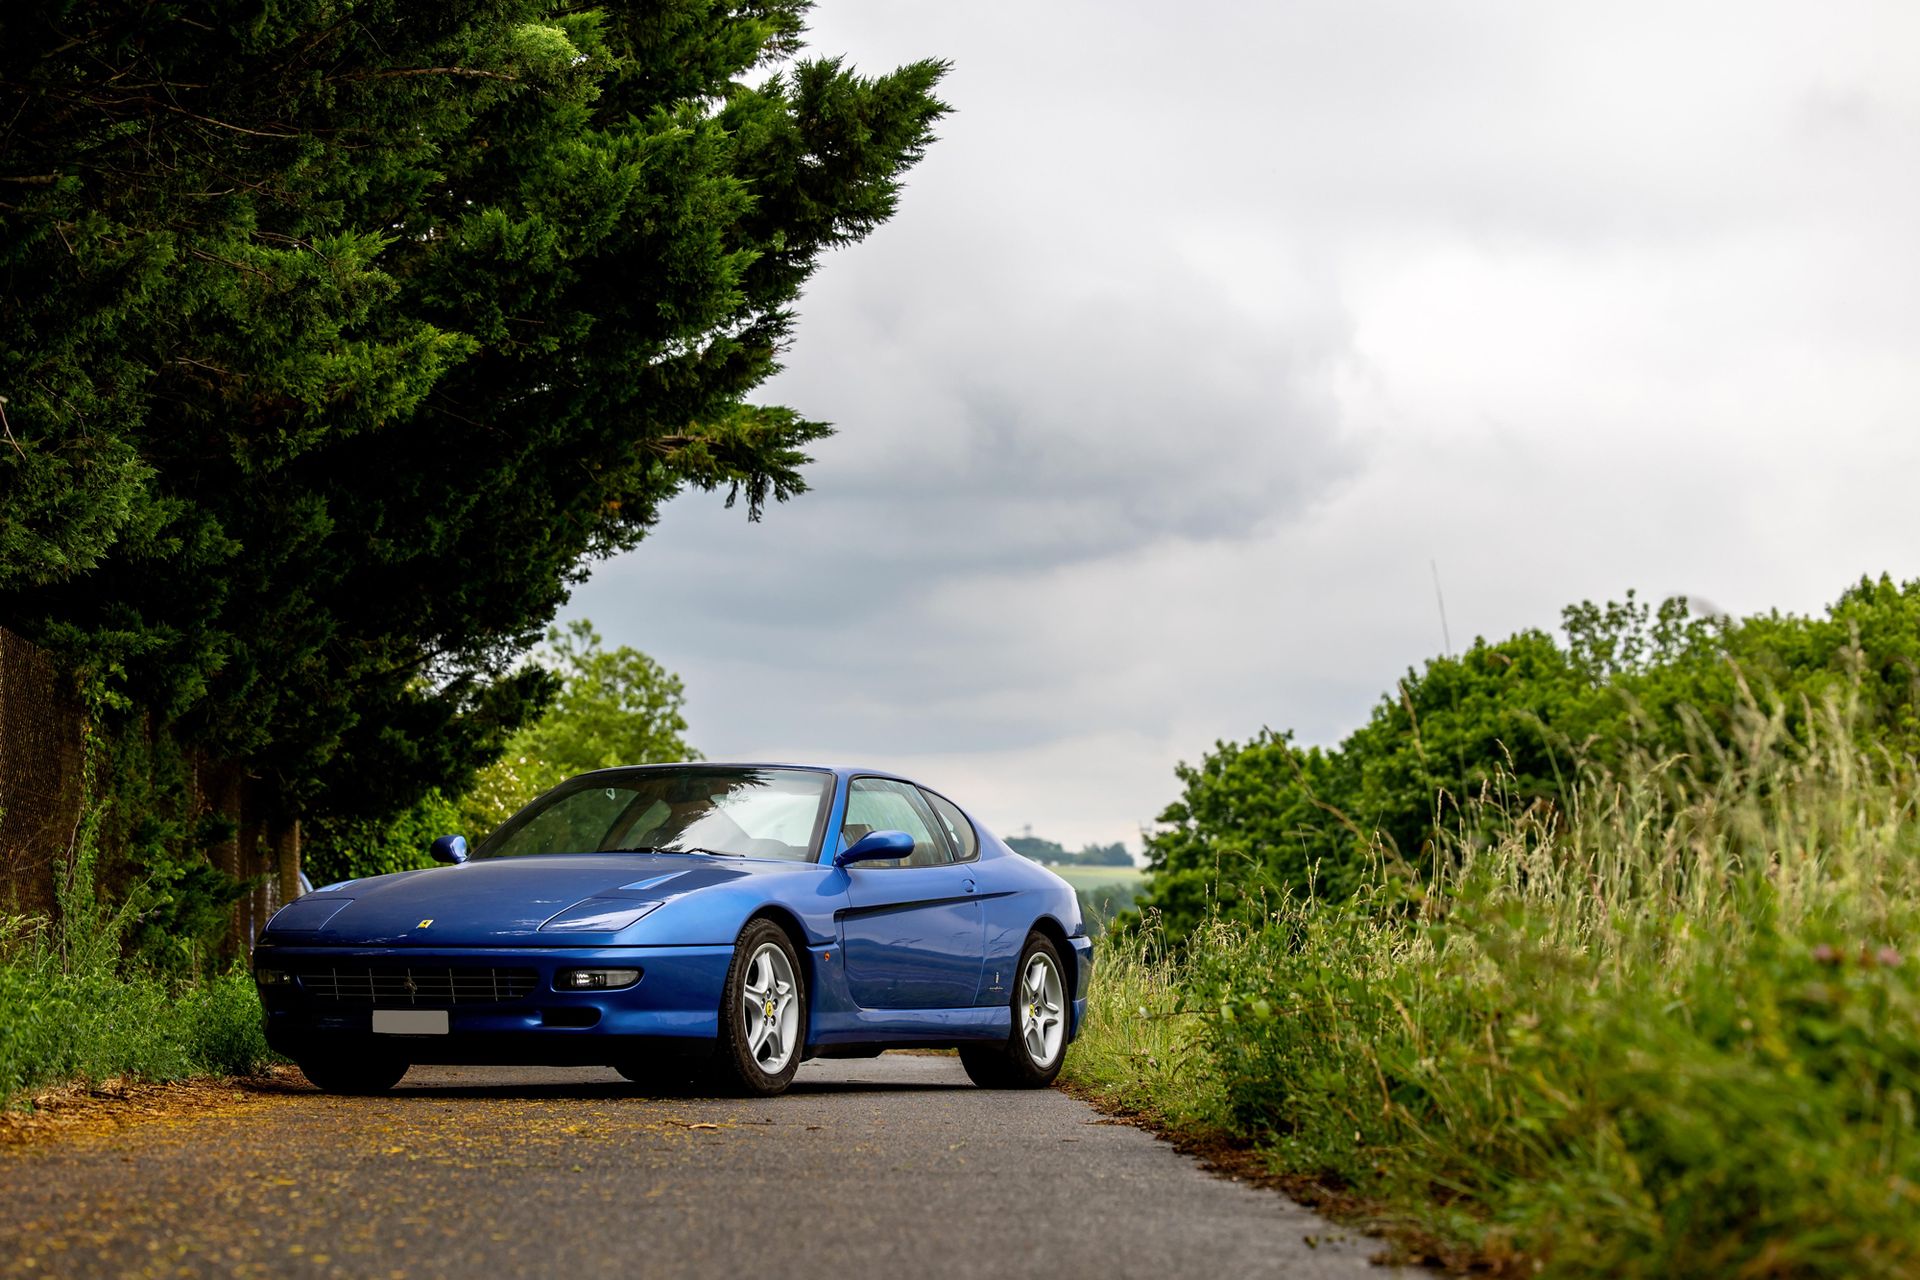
{"x": 339, "y": 337}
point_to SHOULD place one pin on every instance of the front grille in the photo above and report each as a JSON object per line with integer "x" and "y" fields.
{"x": 412, "y": 986}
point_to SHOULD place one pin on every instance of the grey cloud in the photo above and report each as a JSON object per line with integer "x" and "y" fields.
{"x": 1205, "y": 327}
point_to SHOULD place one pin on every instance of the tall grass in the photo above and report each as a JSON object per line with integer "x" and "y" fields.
{"x": 1138, "y": 1050}
{"x": 67, "y": 1019}
{"x": 75, "y": 1009}
{"x": 1672, "y": 1029}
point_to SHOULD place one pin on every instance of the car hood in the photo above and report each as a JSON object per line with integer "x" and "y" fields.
{"x": 503, "y": 901}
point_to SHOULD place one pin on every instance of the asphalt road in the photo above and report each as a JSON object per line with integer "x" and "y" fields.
{"x": 893, "y": 1167}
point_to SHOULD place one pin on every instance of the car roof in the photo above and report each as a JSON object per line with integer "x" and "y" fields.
{"x": 839, "y": 770}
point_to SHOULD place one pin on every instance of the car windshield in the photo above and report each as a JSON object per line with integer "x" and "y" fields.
{"x": 694, "y": 809}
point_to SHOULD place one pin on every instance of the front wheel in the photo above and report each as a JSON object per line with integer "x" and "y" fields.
{"x": 763, "y": 1012}
{"x": 1031, "y": 1055}
{"x": 363, "y": 1074}
{"x": 661, "y": 1078}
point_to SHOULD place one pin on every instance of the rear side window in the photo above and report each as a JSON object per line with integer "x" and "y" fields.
{"x": 882, "y": 804}
{"x": 960, "y": 834}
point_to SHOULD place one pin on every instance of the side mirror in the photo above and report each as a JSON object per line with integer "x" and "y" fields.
{"x": 450, "y": 849}
{"x": 875, "y": 846}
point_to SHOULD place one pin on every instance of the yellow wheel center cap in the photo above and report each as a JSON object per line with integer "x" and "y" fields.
{"x": 769, "y": 1008}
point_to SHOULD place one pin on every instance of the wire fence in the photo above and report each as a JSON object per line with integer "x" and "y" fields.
{"x": 42, "y": 800}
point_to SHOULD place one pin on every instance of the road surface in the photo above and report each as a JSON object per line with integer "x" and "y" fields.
{"x": 886, "y": 1167}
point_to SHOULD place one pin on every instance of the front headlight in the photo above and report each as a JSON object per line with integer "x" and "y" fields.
{"x": 273, "y": 977}
{"x": 594, "y": 979}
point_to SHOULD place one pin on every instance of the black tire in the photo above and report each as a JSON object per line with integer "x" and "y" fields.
{"x": 664, "y": 1078}
{"x": 1009, "y": 1064}
{"x": 740, "y": 1070}
{"x": 360, "y": 1076}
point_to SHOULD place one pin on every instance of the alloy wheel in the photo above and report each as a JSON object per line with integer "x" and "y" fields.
{"x": 770, "y": 1002}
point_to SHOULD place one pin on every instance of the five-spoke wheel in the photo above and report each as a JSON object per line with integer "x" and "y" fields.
{"x": 763, "y": 1013}
{"x": 1042, "y": 1004}
{"x": 1031, "y": 1055}
{"x": 770, "y": 1005}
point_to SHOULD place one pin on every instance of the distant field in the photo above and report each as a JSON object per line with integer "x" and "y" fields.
{"x": 1104, "y": 891}
{"x": 1090, "y": 877}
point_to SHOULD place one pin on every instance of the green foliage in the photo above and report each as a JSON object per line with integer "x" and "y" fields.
{"x": 139, "y": 801}
{"x": 1040, "y": 850}
{"x": 77, "y": 1002}
{"x": 1054, "y": 854}
{"x": 221, "y": 1021}
{"x": 63, "y": 1020}
{"x": 1674, "y": 1030}
{"x": 1137, "y": 1049}
{"x": 335, "y": 849}
{"x": 1529, "y": 713}
{"x": 337, "y": 335}
{"x": 614, "y": 706}
{"x": 169, "y": 906}
{"x": 1105, "y": 855}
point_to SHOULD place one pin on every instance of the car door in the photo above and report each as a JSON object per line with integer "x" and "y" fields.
{"x": 1006, "y": 917}
{"x": 913, "y": 929}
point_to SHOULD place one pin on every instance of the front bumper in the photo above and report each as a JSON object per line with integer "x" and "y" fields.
{"x": 675, "y": 1004}
{"x": 1082, "y": 980}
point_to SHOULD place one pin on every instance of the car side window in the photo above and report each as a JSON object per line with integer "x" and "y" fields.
{"x": 882, "y": 804}
{"x": 959, "y": 832}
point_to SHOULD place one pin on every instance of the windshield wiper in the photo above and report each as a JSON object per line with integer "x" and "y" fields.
{"x": 713, "y": 853}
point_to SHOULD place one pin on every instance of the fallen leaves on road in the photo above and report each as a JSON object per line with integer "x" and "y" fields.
{"x": 78, "y": 1110}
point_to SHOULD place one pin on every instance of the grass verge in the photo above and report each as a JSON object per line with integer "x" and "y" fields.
{"x": 1674, "y": 1030}
{"x": 63, "y": 1021}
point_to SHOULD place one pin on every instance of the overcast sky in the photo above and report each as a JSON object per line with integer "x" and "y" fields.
{"x": 1206, "y": 328}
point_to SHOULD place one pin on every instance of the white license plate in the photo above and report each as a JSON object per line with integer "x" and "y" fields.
{"x": 410, "y": 1022}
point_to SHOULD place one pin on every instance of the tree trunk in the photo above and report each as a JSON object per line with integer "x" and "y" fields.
{"x": 286, "y": 848}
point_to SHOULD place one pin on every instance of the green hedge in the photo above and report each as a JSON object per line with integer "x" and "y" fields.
{"x": 1672, "y": 1030}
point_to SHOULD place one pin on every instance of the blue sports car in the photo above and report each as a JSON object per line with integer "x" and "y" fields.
{"x": 689, "y": 919}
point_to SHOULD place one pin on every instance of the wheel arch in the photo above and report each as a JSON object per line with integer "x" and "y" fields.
{"x": 1053, "y": 931}
{"x": 790, "y": 925}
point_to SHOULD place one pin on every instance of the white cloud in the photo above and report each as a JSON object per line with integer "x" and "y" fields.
{"x": 1203, "y": 330}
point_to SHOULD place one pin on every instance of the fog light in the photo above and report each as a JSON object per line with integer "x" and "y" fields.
{"x": 595, "y": 979}
{"x": 273, "y": 977}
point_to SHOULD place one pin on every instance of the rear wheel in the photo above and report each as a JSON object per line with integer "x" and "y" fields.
{"x": 1030, "y": 1056}
{"x": 763, "y": 1012}
{"x": 363, "y": 1074}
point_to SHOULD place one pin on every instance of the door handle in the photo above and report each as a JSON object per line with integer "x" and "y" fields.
{"x": 969, "y": 883}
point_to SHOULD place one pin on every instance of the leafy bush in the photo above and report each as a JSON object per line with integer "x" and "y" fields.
{"x": 223, "y": 1020}
{"x": 1528, "y": 714}
{"x": 1672, "y": 1028}
{"x": 614, "y": 707}
{"x": 85, "y": 1022}
{"x": 1137, "y": 1049}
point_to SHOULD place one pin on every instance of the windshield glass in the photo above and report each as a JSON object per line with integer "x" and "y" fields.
{"x": 713, "y": 809}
